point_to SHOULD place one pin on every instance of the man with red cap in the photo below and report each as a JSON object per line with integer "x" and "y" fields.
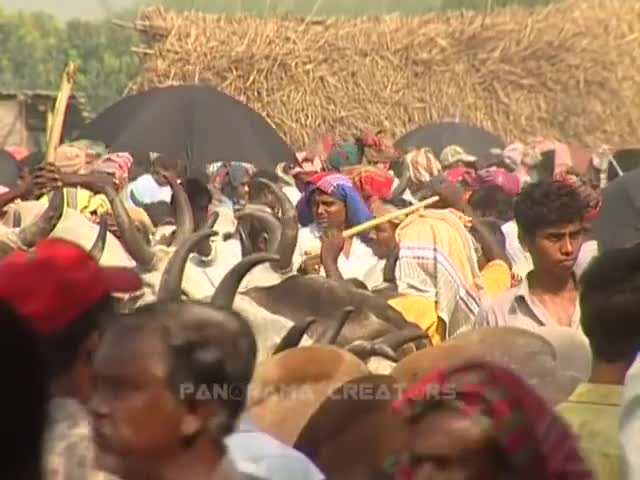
{"x": 65, "y": 297}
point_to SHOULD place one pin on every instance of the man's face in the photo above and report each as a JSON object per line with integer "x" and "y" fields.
{"x": 384, "y": 240}
{"x": 136, "y": 420}
{"x": 451, "y": 445}
{"x": 242, "y": 191}
{"x": 556, "y": 248}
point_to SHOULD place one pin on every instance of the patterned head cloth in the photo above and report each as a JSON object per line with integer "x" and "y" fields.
{"x": 507, "y": 181}
{"x": 371, "y": 182}
{"x": 70, "y": 159}
{"x": 593, "y": 198}
{"x": 117, "y": 164}
{"x": 339, "y": 187}
{"x": 345, "y": 155}
{"x": 535, "y": 438}
{"x": 423, "y": 165}
{"x": 377, "y": 148}
{"x": 17, "y": 152}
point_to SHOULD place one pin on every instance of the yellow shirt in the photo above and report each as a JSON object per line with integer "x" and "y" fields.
{"x": 421, "y": 311}
{"x": 496, "y": 277}
{"x": 593, "y": 411}
{"x": 85, "y": 201}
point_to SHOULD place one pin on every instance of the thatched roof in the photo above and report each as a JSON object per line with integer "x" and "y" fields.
{"x": 568, "y": 71}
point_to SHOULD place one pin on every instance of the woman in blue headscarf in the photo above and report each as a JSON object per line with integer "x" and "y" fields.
{"x": 329, "y": 205}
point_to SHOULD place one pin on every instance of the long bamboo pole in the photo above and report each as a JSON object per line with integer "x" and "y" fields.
{"x": 55, "y": 134}
{"x": 351, "y": 232}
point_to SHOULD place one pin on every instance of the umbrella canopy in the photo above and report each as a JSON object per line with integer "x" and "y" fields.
{"x": 437, "y": 136}
{"x": 618, "y": 223}
{"x": 197, "y": 123}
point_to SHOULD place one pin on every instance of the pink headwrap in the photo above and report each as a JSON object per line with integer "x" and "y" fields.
{"x": 17, "y": 152}
{"x": 509, "y": 182}
{"x": 117, "y": 164}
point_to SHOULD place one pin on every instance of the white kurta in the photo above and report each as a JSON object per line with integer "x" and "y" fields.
{"x": 360, "y": 259}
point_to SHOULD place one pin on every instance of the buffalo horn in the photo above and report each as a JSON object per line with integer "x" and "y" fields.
{"x": 211, "y": 222}
{"x": 364, "y": 349}
{"x": 130, "y": 238}
{"x": 184, "y": 214}
{"x": 42, "y": 226}
{"x": 283, "y": 175}
{"x": 294, "y": 336}
{"x": 170, "y": 287}
{"x": 99, "y": 244}
{"x": 289, "y": 227}
{"x": 330, "y": 335}
{"x": 396, "y": 340}
{"x": 403, "y": 181}
{"x": 225, "y": 293}
{"x": 266, "y": 218}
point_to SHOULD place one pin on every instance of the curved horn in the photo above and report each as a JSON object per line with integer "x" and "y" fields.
{"x": 330, "y": 335}
{"x": 99, "y": 244}
{"x": 17, "y": 219}
{"x": 184, "y": 214}
{"x": 288, "y": 226}
{"x": 135, "y": 200}
{"x": 403, "y": 181}
{"x": 42, "y": 226}
{"x": 261, "y": 213}
{"x": 281, "y": 172}
{"x": 389, "y": 270}
{"x": 294, "y": 336}
{"x": 170, "y": 287}
{"x": 226, "y": 291}
{"x": 400, "y": 338}
{"x": 211, "y": 222}
{"x": 364, "y": 349}
{"x": 130, "y": 238}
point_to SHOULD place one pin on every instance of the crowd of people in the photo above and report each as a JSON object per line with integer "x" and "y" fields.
{"x": 102, "y": 390}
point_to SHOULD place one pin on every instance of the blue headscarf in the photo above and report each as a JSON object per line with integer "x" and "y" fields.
{"x": 340, "y": 188}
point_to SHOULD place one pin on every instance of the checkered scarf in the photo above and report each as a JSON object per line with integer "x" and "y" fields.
{"x": 536, "y": 439}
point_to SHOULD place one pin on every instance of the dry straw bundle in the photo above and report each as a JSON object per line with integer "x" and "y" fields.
{"x": 567, "y": 71}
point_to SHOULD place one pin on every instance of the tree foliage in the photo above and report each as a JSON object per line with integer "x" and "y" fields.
{"x": 36, "y": 48}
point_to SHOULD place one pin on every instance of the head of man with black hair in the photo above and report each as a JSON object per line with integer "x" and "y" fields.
{"x": 165, "y": 165}
{"x": 24, "y": 400}
{"x": 610, "y": 312}
{"x": 199, "y": 197}
{"x": 550, "y": 216}
{"x": 491, "y": 201}
{"x": 171, "y": 383}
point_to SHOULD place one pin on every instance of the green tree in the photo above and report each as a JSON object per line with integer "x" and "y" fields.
{"x": 36, "y": 48}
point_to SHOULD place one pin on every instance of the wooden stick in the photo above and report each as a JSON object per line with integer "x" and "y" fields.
{"x": 314, "y": 250}
{"x": 59, "y": 111}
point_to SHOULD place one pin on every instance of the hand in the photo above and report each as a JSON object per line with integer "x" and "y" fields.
{"x": 311, "y": 265}
{"x": 45, "y": 177}
{"x": 332, "y": 245}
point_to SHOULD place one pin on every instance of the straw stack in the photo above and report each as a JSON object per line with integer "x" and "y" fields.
{"x": 567, "y": 71}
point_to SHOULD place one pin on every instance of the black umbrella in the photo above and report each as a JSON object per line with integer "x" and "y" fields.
{"x": 437, "y": 136}
{"x": 194, "y": 122}
{"x": 618, "y": 222}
